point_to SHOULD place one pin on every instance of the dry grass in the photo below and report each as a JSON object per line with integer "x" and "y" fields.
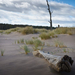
{"x": 1, "y": 31}
{"x": 44, "y": 36}
{"x": 31, "y": 42}
{"x": 36, "y": 44}
{"x": 65, "y": 30}
{"x": 44, "y": 32}
{"x": 28, "y": 30}
{"x": 22, "y": 41}
{"x": 25, "y": 48}
{"x": 59, "y": 44}
{"x": 2, "y": 52}
{"x": 41, "y": 30}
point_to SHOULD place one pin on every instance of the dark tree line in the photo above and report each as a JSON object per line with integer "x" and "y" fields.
{"x": 8, "y": 26}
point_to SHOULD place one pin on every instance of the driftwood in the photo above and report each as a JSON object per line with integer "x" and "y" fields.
{"x": 59, "y": 63}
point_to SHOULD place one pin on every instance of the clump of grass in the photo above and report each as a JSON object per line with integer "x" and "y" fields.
{"x": 64, "y": 50}
{"x": 37, "y": 44}
{"x": 41, "y": 30}
{"x": 44, "y": 36}
{"x": 51, "y": 33}
{"x": 56, "y": 43}
{"x": 7, "y": 31}
{"x": 65, "y": 30}
{"x": 35, "y": 48}
{"x": 61, "y": 30}
{"x": 29, "y": 42}
{"x": 1, "y": 31}
{"x": 28, "y": 30}
{"x": 18, "y": 41}
{"x": 22, "y": 41}
{"x": 59, "y": 44}
{"x": 34, "y": 37}
{"x": 69, "y": 32}
{"x": 26, "y": 49}
{"x": 2, "y": 52}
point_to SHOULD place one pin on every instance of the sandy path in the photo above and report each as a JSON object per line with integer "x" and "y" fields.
{"x": 15, "y": 63}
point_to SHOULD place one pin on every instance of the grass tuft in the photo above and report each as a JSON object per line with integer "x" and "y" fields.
{"x": 26, "y": 49}
{"x": 28, "y": 30}
{"x": 2, "y": 52}
{"x": 22, "y": 41}
{"x": 29, "y": 42}
{"x": 44, "y": 36}
{"x": 59, "y": 44}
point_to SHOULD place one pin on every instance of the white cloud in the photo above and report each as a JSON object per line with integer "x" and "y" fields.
{"x": 35, "y": 12}
{"x": 23, "y": 5}
{"x": 7, "y": 3}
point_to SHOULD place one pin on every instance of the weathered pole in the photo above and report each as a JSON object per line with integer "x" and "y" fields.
{"x": 50, "y": 15}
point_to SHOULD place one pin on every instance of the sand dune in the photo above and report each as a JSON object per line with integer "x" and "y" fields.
{"x": 15, "y": 63}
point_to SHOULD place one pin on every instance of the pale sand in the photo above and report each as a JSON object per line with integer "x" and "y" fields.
{"x": 15, "y": 63}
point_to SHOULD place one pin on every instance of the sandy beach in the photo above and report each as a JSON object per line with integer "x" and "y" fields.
{"x": 16, "y": 63}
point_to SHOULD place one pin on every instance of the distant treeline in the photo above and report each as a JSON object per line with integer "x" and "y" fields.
{"x": 8, "y": 26}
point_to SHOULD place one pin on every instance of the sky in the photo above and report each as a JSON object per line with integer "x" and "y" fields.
{"x": 34, "y": 12}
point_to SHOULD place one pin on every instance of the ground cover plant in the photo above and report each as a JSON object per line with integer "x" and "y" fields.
{"x": 2, "y": 52}
{"x": 25, "y": 48}
{"x": 1, "y": 31}
{"x": 65, "y": 30}
{"x": 42, "y": 31}
{"x": 22, "y": 41}
{"x": 29, "y": 42}
{"x": 44, "y": 36}
{"x": 35, "y": 43}
{"x": 59, "y": 44}
{"x": 28, "y": 30}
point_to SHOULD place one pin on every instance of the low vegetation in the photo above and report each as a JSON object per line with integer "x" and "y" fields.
{"x": 44, "y": 36}
{"x": 7, "y": 32}
{"x": 1, "y": 31}
{"x": 36, "y": 43}
{"x": 18, "y": 41}
{"x": 59, "y": 44}
{"x": 28, "y": 30}
{"x": 25, "y": 48}
{"x": 48, "y": 35}
{"x": 65, "y": 30}
{"x": 22, "y": 41}
{"x": 2, "y": 52}
{"x": 31, "y": 42}
{"x": 43, "y": 31}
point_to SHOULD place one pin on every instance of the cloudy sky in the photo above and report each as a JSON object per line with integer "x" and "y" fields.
{"x": 34, "y": 12}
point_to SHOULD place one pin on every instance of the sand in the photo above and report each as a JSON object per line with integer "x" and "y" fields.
{"x": 16, "y": 63}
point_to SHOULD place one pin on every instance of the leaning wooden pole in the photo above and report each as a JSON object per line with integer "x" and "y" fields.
{"x": 50, "y": 15}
